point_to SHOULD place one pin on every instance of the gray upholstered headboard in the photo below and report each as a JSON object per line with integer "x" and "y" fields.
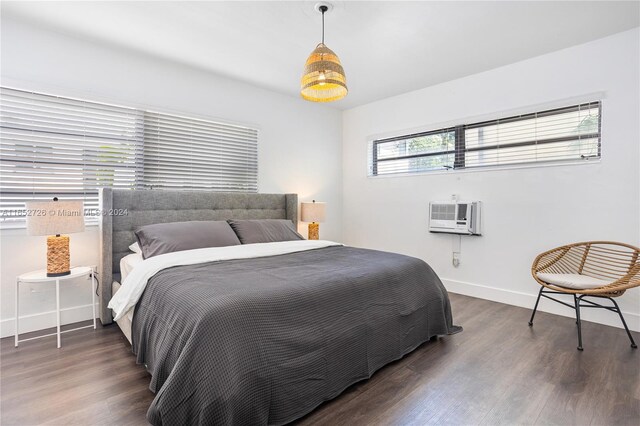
{"x": 125, "y": 210}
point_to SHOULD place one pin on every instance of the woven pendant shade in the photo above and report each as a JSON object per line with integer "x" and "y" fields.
{"x": 323, "y": 79}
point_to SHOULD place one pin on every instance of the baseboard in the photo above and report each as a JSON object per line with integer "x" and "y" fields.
{"x": 44, "y": 320}
{"x": 528, "y": 300}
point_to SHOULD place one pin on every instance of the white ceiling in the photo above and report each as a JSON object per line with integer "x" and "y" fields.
{"x": 386, "y": 48}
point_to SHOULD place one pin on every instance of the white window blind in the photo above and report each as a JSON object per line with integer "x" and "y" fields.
{"x": 564, "y": 134}
{"x": 68, "y": 148}
{"x": 54, "y": 146}
{"x": 183, "y": 152}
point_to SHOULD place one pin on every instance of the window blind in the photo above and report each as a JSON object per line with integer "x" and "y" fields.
{"x": 68, "y": 148}
{"x": 55, "y": 146}
{"x": 183, "y": 152}
{"x": 564, "y": 134}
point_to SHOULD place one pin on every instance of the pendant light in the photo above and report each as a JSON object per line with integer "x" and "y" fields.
{"x": 323, "y": 79}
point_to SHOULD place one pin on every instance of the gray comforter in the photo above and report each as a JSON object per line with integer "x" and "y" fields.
{"x": 266, "y": 340}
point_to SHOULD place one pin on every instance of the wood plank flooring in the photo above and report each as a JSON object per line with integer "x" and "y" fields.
{"x": 497, "y": 372}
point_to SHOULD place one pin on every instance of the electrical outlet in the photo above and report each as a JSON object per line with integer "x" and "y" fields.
{"x": 456, "y": 259}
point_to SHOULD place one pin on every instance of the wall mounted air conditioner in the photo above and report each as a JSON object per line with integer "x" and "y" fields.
{"x": 455, "y": 217}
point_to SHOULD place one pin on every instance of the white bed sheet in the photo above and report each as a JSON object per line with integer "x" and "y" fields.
{"x": 127, "y": 263}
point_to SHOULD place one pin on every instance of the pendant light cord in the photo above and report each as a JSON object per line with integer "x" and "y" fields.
{"x": 323, "y": 8}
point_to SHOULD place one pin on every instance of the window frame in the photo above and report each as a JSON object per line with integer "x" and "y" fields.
{"x": 460, "y": 149}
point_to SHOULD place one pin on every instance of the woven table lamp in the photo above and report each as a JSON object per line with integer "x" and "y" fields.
{"x": 313, "y": 212}
{"x": 53, "y": 218}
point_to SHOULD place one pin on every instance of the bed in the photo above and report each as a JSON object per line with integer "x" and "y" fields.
{"x": 260, "y": 333}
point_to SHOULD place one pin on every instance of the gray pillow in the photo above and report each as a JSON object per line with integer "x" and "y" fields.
{"x": 161, "y": 238}
{"x": 265, "y": 230}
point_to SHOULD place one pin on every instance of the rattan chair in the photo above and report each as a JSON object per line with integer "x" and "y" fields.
{"x": 594, "y": 269}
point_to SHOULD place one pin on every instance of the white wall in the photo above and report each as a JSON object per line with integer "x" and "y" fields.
{"x": 526, "y": 210}
{"x": 299, "y": 142}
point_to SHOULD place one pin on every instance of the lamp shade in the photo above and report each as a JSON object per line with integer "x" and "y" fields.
{"x": 313, "y": 212}
{"x": 323, "y": 79}
{"x": 54, "y": 217}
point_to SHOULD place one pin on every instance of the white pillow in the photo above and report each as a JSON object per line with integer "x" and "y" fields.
{"x": 135, "y": 247}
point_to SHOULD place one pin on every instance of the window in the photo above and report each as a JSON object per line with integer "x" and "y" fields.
{"x": 55, "y": 146}
{"x": 563, "y": 134}
{"x": 186, "y": 153}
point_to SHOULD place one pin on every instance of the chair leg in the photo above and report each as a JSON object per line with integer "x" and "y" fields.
{"x": 577, "y": 303}
{"x": 633, "y": 343}
{"x": 535, "y": 308}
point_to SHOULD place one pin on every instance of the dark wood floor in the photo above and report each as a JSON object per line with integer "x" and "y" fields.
{"x": 498, "y": 371}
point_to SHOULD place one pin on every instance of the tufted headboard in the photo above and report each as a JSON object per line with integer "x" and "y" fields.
{"x": 124, "y": 210}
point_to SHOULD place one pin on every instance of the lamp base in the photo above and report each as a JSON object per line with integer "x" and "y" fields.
{"x": 58, "y": 256}
{"x": 314, "y": 232}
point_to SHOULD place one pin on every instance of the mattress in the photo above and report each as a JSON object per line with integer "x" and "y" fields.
{"x": 127, "y": 264}
{"x": 125, "y": 322}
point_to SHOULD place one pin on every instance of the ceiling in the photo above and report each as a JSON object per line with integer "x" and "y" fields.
{"x": 387, "y": 48}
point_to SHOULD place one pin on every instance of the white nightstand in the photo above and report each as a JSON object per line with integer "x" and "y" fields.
{"x": 41, "y": 276}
